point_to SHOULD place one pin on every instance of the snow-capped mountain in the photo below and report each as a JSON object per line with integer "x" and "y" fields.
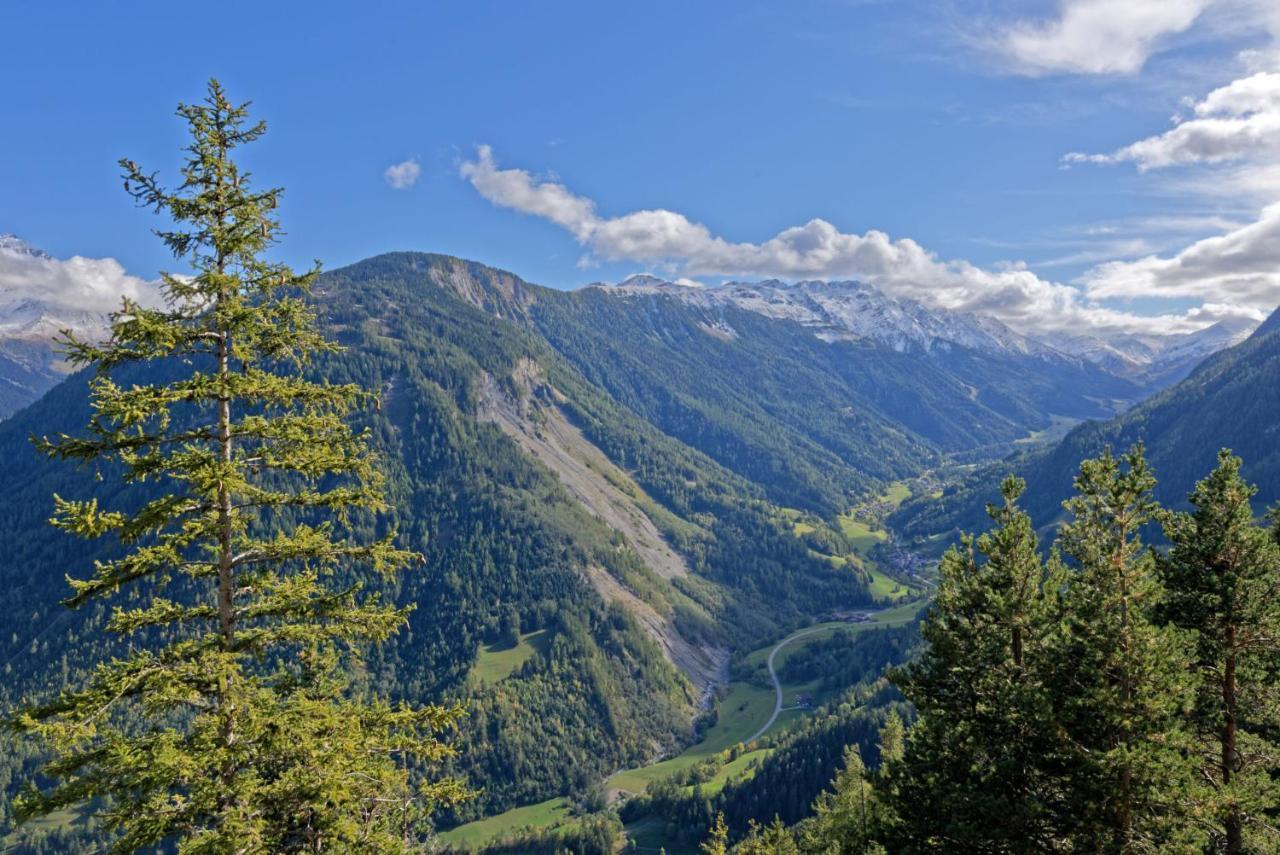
{"x": 856, "y": 310}
{"x": 29, "y": 313}
{"x": 852, "y": 310}
{"x": 32, "y": 320}
{"x": 1158, "y": 360}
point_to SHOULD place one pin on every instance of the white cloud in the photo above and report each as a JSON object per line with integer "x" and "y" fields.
{"x": 76, "y": 284}
{"x": 1229, "y": 147}
{"x": 1240, "y": 268}
{"x": 403, "y": 175}
{"x": 816, "y": 249}
{"x": 1235, "y": 122}
{"x": 518, "y": 190}
{"x": 1096, "y": 36}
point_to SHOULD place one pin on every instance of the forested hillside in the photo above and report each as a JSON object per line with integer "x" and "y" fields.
{"x": 627, "y": 647}
{"x": 1231, "y": 400}
{"x": 604, "y": 489}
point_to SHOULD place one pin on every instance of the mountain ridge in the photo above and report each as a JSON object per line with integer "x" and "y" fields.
{"x": 1230, "y": 399}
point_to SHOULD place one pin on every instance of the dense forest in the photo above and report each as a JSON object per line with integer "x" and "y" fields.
{"x": 505, "y": 548}
{"x": 1109, "y": 697}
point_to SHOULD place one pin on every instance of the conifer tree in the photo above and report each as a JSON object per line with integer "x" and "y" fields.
{"x": 226, "y": 726}
{"x": 717, "y": 843}
{"x": 844, "y": 818}
{"x": 978, "y": 773}
{"x": 1222, "y": 575}
{"x": 772, "y": 839}
{"x": 1124, "y": 681}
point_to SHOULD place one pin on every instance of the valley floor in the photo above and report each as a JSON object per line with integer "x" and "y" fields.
{"x": 747, "y": 713}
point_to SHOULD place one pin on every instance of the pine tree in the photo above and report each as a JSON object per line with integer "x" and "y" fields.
{"x": 1222, "y": 575}
{"x": 227, "y": 726}
{"x": 1124, "y": 681}
{"x": 978, "y": 773}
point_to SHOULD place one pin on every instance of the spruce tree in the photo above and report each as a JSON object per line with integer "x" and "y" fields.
{"x": 1222, "y": 575}
{"x": 978, "y": 773}
{"x": 226, "y": 726}
{"x": 1124, "y": 681}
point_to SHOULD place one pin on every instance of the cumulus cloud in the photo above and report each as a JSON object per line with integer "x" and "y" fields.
{"x": 1228, "y": 144}
{"x": 816, "y": 249}
{"x": 76, "y": 284}
{"x": 1235, "y": 122}
{"x": 1096, "y": 36}
{"x": 403, "y": 175}
{"x": 1240, "y": 268}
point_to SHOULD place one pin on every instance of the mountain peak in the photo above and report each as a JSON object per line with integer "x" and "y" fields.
{"x": 15, "y": 245}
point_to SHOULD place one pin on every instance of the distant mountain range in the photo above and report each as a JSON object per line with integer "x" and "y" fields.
{"x": 29, "y": 327}
{"x": 1157, "y": 360}
{"x": 833, "y": 312}
{"x": 855, "y": 310}
{"x": 618, "y": 471}
{"x": 1230, "y": 400}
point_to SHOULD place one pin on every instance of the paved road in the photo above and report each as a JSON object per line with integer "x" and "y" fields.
{"x": 777, "y": 685}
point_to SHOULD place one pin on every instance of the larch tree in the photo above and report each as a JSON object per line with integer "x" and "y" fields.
{"x": 1124, "y": 681}
{"x": 717, "y": 842}
{"x": 227, "y": 725}
{"x": 979, "y": 773}
{"x": 1222, "y": 577}
{"x": 772, "y": 839}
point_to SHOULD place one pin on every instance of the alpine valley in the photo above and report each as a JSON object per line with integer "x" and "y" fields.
{"x": 672, "y": 535}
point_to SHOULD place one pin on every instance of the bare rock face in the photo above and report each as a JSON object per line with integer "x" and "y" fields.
{"x": 533, "y": 419}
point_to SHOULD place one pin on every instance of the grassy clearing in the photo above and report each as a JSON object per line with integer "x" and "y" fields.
{"x": 885, "y": 588}
{"x": 501, "y": 659}
{"x": 742, "y": 711}
{"x": 36, "y": 828}
{"x": 897, "y": 493}
{"x": 833, "y": 560}
{"x": 734, "y": 770}
{"x": 862, "y": 537}
{"x": 548, "y": 814}
{"x": 1059, "y": 426}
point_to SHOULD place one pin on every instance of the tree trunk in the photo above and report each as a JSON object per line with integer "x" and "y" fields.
{"x": 1232, "y": 821}
{"x": 225, "y": 606}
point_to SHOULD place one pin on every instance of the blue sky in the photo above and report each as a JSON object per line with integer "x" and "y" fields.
{"x": 944, "y": 124}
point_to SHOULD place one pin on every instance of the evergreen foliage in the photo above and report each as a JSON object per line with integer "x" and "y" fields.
{"x": 1222, "y": 575}
{"x": 1151, "y": 681}
{"x": 1125, "y": 679}
{"x": 981, "y": 759}
{"x": 229, "y": 729}
{"x": 845, "y": 815}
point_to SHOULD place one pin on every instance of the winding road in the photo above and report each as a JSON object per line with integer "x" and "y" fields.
{"x": 777, "y": 684}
